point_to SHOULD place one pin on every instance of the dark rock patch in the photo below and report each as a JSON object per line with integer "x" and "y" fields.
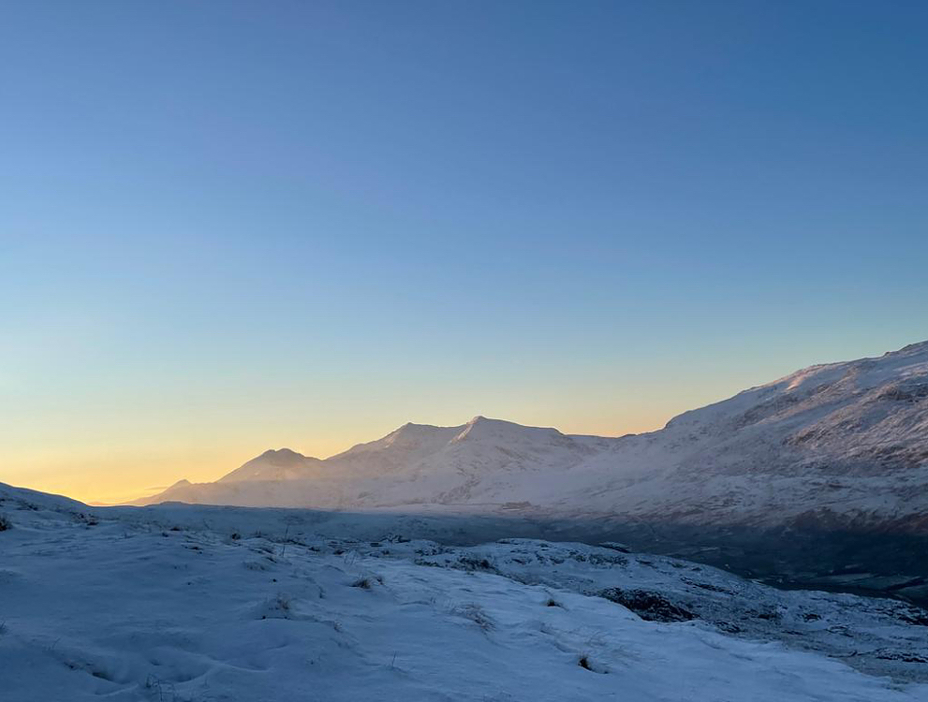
{"x": 650, "y": 606}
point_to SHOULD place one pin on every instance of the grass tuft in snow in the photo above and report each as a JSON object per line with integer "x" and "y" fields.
{"x": 476, "y": 614}
{"x": 367, "y": 582}
{"x": 278, "y": 607}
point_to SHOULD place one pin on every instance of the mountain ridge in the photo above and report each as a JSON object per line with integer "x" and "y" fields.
{"x": 843, "y": 442}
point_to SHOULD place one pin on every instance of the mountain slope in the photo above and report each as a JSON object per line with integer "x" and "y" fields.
{"x": 843, "y": 443}
{"x": 134, "y": 605}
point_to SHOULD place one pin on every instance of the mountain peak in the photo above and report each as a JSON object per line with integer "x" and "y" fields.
{"x": 483, "y": 428}
{"x": 273, "y": 464}
{"x": 410, "y": 431}
{"x": 281, "y": 453}
{"x": 413, "y": 427}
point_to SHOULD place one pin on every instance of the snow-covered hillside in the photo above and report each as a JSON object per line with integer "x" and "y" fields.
{"x": 840, "y": 444}
{"x": 201, "y": 604}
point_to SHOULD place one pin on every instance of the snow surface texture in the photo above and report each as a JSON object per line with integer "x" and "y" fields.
{"x": 247, "y": 605}
{"x": 843, "y": 444}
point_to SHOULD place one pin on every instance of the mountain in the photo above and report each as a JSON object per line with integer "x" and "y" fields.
{"x": 842, "y": 444}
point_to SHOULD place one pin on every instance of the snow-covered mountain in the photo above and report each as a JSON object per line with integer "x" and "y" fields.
{"x": 838, "y": 444}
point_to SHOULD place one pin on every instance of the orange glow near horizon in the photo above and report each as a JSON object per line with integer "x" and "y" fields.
{"x": 118, "y": 441}
{"x": 101, "y": 474}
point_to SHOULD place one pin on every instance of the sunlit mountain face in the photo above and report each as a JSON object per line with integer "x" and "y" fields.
{"x": 815, "y": 480}
{"x": 836, "y": 444}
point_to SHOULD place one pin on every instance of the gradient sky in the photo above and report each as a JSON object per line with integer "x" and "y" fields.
{"x": 230, "y": 226}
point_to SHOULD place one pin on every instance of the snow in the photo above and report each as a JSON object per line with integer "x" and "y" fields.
{"x": 843, "y": 442}
{"x": 238, "y": 604}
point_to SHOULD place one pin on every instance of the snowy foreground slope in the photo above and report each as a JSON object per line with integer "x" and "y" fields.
{"x": 843, "y": 445}
{"x": 211, "y": 604}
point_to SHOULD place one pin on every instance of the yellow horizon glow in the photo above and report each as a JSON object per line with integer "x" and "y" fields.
{"x": 105, "y": 474}
{"x": 130, "y": 441}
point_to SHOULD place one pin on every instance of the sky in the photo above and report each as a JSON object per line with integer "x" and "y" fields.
{"x": 233, "y": 226}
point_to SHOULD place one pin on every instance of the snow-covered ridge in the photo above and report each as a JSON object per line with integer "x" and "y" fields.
{"x": 841, "y": 443}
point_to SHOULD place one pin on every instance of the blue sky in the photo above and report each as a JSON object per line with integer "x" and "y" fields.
{"x": 226, "y": 226}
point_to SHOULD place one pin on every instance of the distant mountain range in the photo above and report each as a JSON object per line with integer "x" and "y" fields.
{"x": 836, "y": 445}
